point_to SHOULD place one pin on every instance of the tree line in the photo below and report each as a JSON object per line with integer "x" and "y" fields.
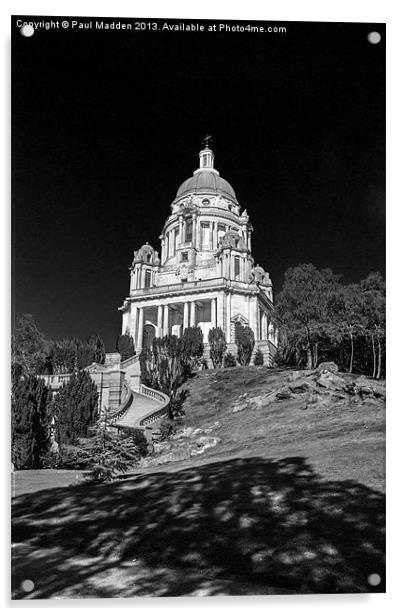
{"x": 35, "y": 354}
{"x": 321, "y": 319}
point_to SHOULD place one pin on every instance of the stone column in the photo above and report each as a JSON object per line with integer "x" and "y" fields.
{"x": 219, "y": 310}
{"x": 264, "y": 326}
{"x": 199, "y": 235}
{"x": 140, "y": 328}
{"x": 252, "y": 314}
{"x": 257, "y": 325}
{"x": 194, "y": 242}
{"x": 213, "y": 312}
{"x": 163, "y": 255}
{"x": 214, "y": 236}
{"x": 228, "y": 316}
{"x": 126, "y": 322}
{"x": 160, "y": 321}
{"x": 166, "y": 319}
{"x": 133, "y": 330}
{"x": 181, "y": 230}
{"x": 192, "y": 314}
{"x": 225, "y": 257}
{"x": 171, "y": 243}
{"x": 185, "y": 316}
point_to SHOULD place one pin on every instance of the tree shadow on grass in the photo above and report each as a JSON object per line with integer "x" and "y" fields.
{"x": 242, "y": 526}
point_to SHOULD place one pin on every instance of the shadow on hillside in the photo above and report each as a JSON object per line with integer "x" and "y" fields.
{"x": 237, "y": 526}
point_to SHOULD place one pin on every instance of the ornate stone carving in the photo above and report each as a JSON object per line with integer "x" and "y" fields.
{"x": 232, "y": 239}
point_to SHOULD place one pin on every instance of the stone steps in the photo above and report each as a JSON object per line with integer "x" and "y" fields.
{"x": 140, "y": 406}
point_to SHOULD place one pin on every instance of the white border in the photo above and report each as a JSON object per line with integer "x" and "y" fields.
{"x": 283, "y": 10}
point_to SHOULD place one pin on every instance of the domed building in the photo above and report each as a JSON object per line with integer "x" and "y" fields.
{"x": 205, "y": 274}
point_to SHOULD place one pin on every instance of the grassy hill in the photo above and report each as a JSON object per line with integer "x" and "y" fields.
{"x": 273, "y": 485}
{"x": 341, "y": 438}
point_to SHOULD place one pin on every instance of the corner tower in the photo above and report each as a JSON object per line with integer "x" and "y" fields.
{"x": 206, "y": 274}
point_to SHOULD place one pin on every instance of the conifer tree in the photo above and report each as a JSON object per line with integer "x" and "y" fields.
{"x": 95, "y": 341}
{"x": 29, "y": 421}
{"x": 125, "y": 346}
{"x": 106, "y": 454}
{"x": 75, "y": 408}
{"x": 245, "y": 344}
{"x": 217, "y": 341}
{"x": 28, "y": 345}
{"x": 258, "y": 358}
{"x": 192, "y": 347}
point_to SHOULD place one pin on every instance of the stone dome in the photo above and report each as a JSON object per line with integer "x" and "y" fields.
{"x": 208, "y": 182}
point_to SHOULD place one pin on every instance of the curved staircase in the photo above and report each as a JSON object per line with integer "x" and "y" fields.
{"x": 140, "y": 406}
{"x": 138, "y": 409}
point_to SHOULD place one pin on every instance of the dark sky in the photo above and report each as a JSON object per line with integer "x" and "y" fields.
{"x": 106, "y": 125}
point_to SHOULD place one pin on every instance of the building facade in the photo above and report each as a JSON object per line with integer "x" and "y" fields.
{"x": 204, "y": 274}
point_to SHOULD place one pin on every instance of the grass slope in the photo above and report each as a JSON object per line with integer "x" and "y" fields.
{"x": 340, "y": 440}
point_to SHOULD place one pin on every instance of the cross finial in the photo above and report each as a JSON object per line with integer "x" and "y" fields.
{"x": 206, "y": 141}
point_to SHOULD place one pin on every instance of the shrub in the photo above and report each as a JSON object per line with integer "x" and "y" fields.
{"x": 217, "y": 341}
{"x": 166, "y": 428}
{"x": 29, "y": 421}
{"x": 162, "y": 365}
{"x": 169, "y": 426}
{"x": 75, "y": 408}
{"x": 245, "y": 344}
{"x": 192, "y": 348}
{"x": 51, "y": 459}
{"x": 138, "y": 437}
{"x": 176, "y": 404}
{"x": 258, "y": 358}
{"x": 229, "y": 361}
{"x": 125, "y": 346}
{"x": 106, "y": 454}
{"x": 28, "y": 346}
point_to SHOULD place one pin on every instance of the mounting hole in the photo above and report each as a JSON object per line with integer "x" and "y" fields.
{"x": 374, "y": 579}
{"x": 27, "y": 585}
{"x": 374, "y": 38}
{"x": 27, "y": 30}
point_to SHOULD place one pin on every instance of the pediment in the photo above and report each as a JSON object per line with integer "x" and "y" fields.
{"x": 239, "y": 318}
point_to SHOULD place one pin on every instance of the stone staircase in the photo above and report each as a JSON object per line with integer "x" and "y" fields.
{"x": 141, "y": 406}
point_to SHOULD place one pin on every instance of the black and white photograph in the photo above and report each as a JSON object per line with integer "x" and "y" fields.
{"x": 198, "y": 340}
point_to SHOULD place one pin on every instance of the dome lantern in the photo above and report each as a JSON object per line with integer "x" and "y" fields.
{"x": 206, "y": 179}
{"x": 206, "y": 159}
